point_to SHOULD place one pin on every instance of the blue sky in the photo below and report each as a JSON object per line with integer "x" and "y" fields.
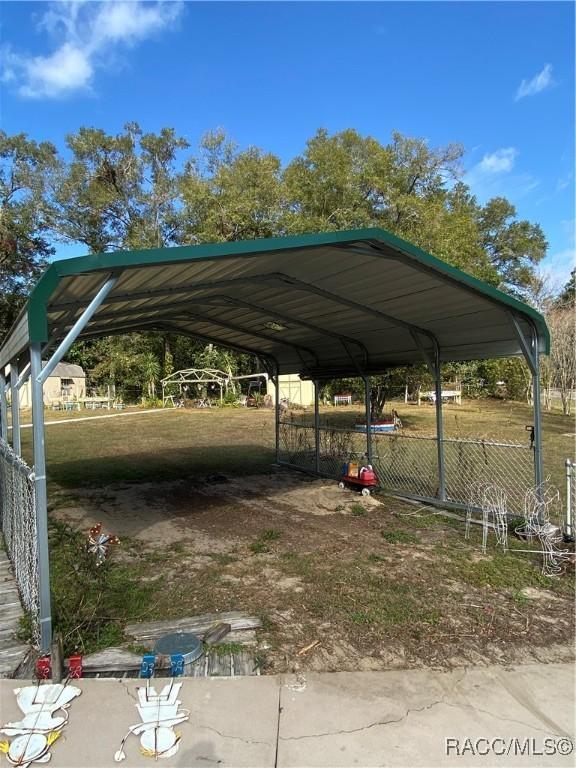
{"x": 497, "y": 77}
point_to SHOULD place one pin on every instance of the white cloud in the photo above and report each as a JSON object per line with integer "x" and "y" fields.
{"x": 86, "y": 34}
{"x": 538, "y": 83}
{"x": 500, "y": 161}
{"x": 558, "y": 266}
{"x": 493, "y": 176}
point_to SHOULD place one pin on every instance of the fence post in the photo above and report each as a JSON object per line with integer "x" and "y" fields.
{"x": 368, "y": 419}
{"x": 439, "y": 423}
{"x": 277, "y": 413}
{"x": 3, "y": 408}
{"x": 538, "y": 467}
{"x": 317, "y": 425}
{"x": 568, "y": 529}
{"x": 45, "y": 616}
{"x": 15, "y": 403}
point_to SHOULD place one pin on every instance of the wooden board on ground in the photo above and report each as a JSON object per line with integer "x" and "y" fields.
{"x": 113, "y": 662}
{"x": 144, "y": 632}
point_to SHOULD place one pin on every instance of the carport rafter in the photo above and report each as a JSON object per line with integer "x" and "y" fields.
{"x": 272, "y": 277}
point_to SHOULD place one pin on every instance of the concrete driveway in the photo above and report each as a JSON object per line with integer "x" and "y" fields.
{"x": 482, "y": 716}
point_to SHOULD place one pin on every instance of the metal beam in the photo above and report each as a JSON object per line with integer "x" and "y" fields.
{"x": 143, "y": 324}
{"x": 439, "y": 424}
{"x": 284, "y": 318}
{"x": 250, "y": 332}
{"x": 270, "y": 277}
{"x": 525, "y": 344}
{"x": 77, "y": 328}
{"x": 317, "y": 424}
{"x": 277, "y": 414}
{"x": 15, "y": 404}
{"x": 3, "y": 408}
{"x": 428, "y": 359}
{"x": 538, "y": 460}
{"x": 368, "y": 417}
{"x": 45, "y": 611}
{"x": 531, "y": 350}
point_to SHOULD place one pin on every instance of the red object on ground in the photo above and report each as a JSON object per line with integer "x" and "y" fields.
{"x": 43, "y": 668}
{"x": 75, "y": 669}
{"x": 367, "y": 479}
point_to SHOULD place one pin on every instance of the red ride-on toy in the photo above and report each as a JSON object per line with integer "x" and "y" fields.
{"x": 364, "y": 478}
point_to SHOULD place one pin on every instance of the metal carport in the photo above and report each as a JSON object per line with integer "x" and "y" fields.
{"x": 326, "y": 305}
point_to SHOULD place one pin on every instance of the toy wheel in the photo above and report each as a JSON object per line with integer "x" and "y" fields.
{"x": 365, "y": 491}
{"x": 341, "y": 484}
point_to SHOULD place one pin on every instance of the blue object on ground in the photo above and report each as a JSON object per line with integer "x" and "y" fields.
{"x": 147, "y": 665}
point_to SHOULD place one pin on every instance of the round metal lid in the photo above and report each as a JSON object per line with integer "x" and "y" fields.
{"x": 186, "y": 643}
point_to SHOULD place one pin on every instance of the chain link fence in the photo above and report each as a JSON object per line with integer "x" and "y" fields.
{"x": 18, "y": 526}
{"x": 408, "y": 464}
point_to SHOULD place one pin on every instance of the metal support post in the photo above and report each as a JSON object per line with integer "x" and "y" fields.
{"x": 439, "y": 424}
{"x": 568, "y": 527}
{"x": 3, "y": 408}
{"x": 317, "y": 425}
{"x": 538, "y": 465}
{"x": 277, "y": 412}
{"x": 368, "y": 417}
{"x": 45, "y": 614}
{"x": 77, "y": 328}
{"x": 15, "y": 403}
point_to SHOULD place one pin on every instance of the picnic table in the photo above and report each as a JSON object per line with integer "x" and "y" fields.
{"x": 92, "y": 403}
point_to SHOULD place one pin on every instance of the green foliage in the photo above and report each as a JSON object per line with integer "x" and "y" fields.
{"x": 568, "y": 295}
{"x": 139, "y": 190}
{"x": 26, "y": 171}
{"x": 90, "y": 603}
{"x": 400, "y": 537}
{"x": 261, "y": 544}
{"x": 357, "y": 510}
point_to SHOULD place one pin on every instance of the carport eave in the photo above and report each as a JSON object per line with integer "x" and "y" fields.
{"x": 113, "y": 262}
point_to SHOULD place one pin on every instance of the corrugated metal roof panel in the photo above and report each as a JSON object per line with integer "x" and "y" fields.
{"x": 340, "y": 300}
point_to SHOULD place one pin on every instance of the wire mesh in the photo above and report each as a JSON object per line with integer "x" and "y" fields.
{"x": 18, "y": 526}
{"x": 508, "y": 466}
{"x": 408, "y": 464}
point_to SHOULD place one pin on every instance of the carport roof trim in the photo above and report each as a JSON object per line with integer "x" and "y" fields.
{"x": 38, "y": 301}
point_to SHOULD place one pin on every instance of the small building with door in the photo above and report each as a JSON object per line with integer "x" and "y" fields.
{"x": 66, "y": 383}
{"x": 293, "y": 389}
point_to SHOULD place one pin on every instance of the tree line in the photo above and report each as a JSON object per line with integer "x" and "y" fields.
{"x": 139, "y": 190}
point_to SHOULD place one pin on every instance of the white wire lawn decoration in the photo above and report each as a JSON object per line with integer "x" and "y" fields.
{"x": 160, "y": 713}
{"x": 539, "y": 504}
{"x": 99, "y": 543}
{"x": 492, "y": 501}
{"x": 40, "y": 726}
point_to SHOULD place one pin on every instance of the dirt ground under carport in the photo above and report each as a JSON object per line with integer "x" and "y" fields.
{"x": 379, "y": 583}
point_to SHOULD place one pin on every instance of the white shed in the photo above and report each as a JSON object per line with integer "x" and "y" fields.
{"x": 67, "y": 382}
{"x": 294, "y": 389}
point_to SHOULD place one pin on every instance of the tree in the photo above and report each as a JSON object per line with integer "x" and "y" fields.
{"x": 513, "y": 247}
{"x": 150, "y": 368}
{"x": 25, "y": 171}
{"x": 331, "y": 185}
{"x": 230, "y": 194}
{"x": 120, "y": 191}
{"x": 562, "y": 357}
{"x": 568, "y": 294}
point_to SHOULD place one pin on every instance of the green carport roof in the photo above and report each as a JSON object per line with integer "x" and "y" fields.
{"x": 336, "y": 303}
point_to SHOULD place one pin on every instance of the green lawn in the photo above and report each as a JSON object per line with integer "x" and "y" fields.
{"x": 171, "y": 444}
{"x": 380, "y": 576}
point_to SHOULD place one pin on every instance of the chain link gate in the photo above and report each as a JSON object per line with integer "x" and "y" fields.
{"x": 18, "y": 526}
{"x": 408, "y": 464}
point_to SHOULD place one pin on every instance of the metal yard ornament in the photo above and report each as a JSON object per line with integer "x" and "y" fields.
{"x": 99, "y": 543}
{"x": 159, "y": 713}
{"x": 40, "y": 726}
